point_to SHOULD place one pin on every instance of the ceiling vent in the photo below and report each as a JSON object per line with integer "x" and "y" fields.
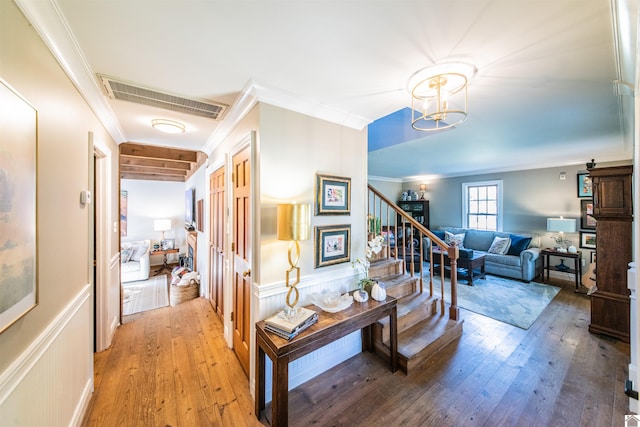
{"x": 124, "y": 91}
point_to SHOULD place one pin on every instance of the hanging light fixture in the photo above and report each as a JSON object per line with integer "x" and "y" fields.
{"x": 439, "y": 95}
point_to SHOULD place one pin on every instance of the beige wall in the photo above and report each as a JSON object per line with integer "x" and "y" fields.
{"x": 65, "y": 121}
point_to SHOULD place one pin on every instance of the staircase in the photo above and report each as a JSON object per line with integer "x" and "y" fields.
{"x": 423, "y": 327}
{"x": 422, "y": 330}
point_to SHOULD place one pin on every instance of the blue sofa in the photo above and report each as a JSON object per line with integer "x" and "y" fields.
{"x": 522, "y": 261}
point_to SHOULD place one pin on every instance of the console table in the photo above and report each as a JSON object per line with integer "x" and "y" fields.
{"x": 330, "y": 327}
{"x": 546, "y": 264}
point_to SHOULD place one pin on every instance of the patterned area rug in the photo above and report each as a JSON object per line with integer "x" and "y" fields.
{"x": 145, "y": 295}
{"x": 508, "y": 301}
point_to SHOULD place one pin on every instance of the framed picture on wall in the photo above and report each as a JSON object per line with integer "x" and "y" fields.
{"x": 587, "y": 221}
{"x": 333, "y": 195}
{"x": 332, "y": 244}
{"x": 587, "y": 240}
{"x": 18, "y": 183}
{"x": 584, "y": 185}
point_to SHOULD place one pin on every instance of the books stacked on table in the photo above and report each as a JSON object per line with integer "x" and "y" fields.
{"x": 288, "y": 327}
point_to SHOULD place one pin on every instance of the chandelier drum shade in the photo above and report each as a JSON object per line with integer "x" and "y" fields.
{"x": 439, "y": 96}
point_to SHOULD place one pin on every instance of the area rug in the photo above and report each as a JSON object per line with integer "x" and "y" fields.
{"x": 509, "y": 301}
{"x": 145, "y": 295}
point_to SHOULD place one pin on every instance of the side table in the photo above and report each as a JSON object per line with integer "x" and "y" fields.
{"x": 165, "y": 265}
{"x": 546, "y": 255}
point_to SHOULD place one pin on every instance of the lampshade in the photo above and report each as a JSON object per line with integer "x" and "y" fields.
{"x": 162, "y": 224}
{"x": 561, "y": 225}
{"x": 294, "y": 221}
{"x": 423, "y": 187}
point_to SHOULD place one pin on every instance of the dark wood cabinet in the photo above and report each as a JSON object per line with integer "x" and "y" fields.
{"x": 418, "y": 209}
{"x": 612, "y": 208}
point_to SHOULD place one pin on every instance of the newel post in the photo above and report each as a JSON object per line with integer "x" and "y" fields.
{"x": 454, "y": 311}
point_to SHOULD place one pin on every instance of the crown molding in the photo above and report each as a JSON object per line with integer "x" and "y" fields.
{"x": 47, "y": 19}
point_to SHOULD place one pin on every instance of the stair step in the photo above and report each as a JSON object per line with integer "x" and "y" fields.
{"x": 400, "y": 285}
{"x": 411, "y": 310}
{"x": 384, "y": 267}
{"x": 425, "y": 339}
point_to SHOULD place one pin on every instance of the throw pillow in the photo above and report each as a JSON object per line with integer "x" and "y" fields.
{"x": 500, "y": 245}
{"x": 138, "y": 251}
{"x": 458, "y": 239}
{"x": 125, "y": 256}
{"x": 518, "y": 244}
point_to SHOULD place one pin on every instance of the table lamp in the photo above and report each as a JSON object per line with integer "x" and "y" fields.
{"x": 294, "y": 224}
{"x": 162, "y": 225}
{"x": 561, "y": 225}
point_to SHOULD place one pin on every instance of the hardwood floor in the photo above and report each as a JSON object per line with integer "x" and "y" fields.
{"x": 171, "y": 367}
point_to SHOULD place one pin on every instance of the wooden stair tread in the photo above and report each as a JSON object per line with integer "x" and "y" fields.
{"x": 427, "y": 332}
{"x": 409, "y": 303}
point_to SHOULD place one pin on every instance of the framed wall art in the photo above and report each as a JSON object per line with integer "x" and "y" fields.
{"x": 18, "y": 230}
{"x": 333, "y": 195}
{"x": 587, "y": 221}
{"x": 587, "y": 240}
{"x": 332, "y": 244}
{"x": 168, "y": 244}
{"x": 584, "y": 185}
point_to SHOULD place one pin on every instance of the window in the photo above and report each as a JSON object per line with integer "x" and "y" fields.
{"x": 482, "y": 205}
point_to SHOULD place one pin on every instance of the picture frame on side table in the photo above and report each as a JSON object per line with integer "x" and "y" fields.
{"x": 587, "y": 240}
{"x": 333, "y": 195}
{"x": 168, "y": 244}
{"x": 584, "y": 185}
{"x": 587, "y": 221}
{"x": 19, "y": 292}
{"x": 332, "y": 245}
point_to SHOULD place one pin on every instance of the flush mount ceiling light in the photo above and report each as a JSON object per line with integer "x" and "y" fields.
{"x": 167, "y": 126}
{"x": 439, "y": 95}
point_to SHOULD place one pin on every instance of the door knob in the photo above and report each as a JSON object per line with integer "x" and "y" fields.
{"x": 246, "y": 273}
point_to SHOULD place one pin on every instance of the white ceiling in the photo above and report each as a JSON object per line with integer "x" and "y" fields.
{"x": 543, "y": 94}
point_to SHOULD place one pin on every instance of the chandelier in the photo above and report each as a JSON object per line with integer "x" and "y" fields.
{"x": 439, "y": 95}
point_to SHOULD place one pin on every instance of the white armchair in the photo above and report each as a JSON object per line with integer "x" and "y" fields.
{"x": 135, "y": 264}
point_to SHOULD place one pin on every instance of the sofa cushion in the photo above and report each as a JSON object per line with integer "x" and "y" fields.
{"x": 138, "y": 251}
{"x": 480, "y": 240}
{"x": 439, "y": 234}
{"x": 506, "y": 260}
{"x": 500, "y": 245}
{"x": 130, "y": 266}
{"x": 518, "y": 244}
{"x": 458, "y": 239}
{"x": 126, "y": 255}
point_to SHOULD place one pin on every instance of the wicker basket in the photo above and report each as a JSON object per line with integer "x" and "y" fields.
{"x": 180, "y": 294}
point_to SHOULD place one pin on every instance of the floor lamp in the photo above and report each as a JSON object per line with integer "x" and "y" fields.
{"x": 294, "y": 224}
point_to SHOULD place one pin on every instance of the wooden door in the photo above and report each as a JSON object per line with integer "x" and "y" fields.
{"x": 241, "y": 247}
{"x": 216, "y": 240}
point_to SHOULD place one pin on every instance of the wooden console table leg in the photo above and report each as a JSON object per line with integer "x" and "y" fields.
{"x": 260, "y": 378}
{"x": 393, "y": 341}
{"x": 280, "y": 398}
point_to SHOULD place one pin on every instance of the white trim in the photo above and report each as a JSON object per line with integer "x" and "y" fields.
{"x": 47, "y": 19}
{"x": 383, "y": 178}
{"x": 465, "y": 187}
{"x": 15, "y": 373}
{"x": 81, "y": 408}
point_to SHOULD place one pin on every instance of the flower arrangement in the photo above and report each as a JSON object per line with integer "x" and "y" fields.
{"x": 374, "y": 246}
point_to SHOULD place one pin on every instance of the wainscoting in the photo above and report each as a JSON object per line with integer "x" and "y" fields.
{"x": 51, "y": 383}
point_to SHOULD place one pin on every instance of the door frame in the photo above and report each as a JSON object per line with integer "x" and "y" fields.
{"x": 102, "y": 202}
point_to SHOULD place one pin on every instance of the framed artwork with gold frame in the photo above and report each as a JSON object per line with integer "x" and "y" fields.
{"x": 332, "y": 244}
{"x": 333, "y": 195}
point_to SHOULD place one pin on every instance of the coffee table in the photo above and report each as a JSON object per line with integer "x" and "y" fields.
{"x": 469, "y": 268}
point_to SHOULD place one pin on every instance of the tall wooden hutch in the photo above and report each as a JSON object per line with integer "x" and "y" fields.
{"x": 612, "y": 208}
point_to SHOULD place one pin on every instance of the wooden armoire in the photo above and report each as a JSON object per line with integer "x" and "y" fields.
{"x": 613, "y": 210}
